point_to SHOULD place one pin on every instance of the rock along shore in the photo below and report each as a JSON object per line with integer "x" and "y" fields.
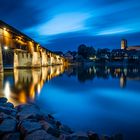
{"x": 27, "y": 122}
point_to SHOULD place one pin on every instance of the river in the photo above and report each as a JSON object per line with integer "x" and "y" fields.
{"x": 102, "y": 99}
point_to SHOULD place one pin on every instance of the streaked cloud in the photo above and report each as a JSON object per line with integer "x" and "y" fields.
{"x": 48, "y": 21}
{"x": 62, "y": 23}
{"x": 114, "y": 31}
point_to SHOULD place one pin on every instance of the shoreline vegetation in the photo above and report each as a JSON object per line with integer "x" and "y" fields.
{"x": 28, "y": 122}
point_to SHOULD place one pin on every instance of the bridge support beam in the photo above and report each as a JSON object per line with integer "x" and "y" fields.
{"x": 22, "y": 59}
{"x": 44, "y": 59}
{"x": 1, "y": 60}
{"x": 36, "y": 60}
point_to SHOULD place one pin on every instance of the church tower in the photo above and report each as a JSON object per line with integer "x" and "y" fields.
{"x": 124, "y": 44}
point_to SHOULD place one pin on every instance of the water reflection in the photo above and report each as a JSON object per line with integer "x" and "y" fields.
{"x": 107, "y": 98}
{"x": 23, "y": 85}
{"x": 84, "y": 74}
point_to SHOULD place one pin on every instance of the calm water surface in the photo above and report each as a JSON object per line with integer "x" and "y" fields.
{"x": 105, "y": 100}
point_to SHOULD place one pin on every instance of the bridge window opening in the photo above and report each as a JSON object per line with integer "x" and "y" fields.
{"x": 8, "y": 57}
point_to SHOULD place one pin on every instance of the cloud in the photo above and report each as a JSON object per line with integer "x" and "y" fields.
{"x": 48, "y": 20}
{"x": 63, "y": 23}
{"x": 114, "y": 31}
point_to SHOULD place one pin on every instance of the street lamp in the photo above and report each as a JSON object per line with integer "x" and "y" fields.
{"x": 5, "y": 48}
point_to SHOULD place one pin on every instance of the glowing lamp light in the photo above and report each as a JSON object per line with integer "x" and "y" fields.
{"x": 4, "y": 29}
{"x": 39, "y": 88}
{"x": 5, "y": 48}
{"x": 7, "y": 90}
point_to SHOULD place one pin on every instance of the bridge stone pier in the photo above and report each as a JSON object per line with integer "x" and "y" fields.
{"x": 23, "y": 59}
{"x": 1, "y": 62}
{"x": 17, "y": 50}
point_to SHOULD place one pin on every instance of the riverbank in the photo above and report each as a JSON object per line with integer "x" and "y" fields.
{"x": 28, "y": 122}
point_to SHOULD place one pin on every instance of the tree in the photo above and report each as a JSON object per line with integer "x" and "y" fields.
{"x": 85, "y": 51}
{"x": 82, "y": 50}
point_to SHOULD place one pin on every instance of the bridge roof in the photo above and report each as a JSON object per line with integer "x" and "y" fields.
{"x": 14, "y": 30}
{"x": 17, "y": 32}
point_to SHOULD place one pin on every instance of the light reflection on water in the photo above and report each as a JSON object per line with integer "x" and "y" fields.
{"x": 23, "y": 85}
{"x": 102, "y": 99}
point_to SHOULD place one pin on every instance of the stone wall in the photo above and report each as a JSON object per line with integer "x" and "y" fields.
{"x": 22, "y": 59}
{"x": 35, "y": 59}
{"x": 44, "y": 60}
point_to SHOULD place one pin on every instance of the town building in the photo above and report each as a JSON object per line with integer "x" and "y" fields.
{"x": 124, "y": 46}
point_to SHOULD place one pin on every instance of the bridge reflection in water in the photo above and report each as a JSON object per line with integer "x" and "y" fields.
{"x": 24, "y": 85}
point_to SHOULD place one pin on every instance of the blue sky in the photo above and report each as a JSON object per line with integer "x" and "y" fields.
{"x": 64, "y": 25}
